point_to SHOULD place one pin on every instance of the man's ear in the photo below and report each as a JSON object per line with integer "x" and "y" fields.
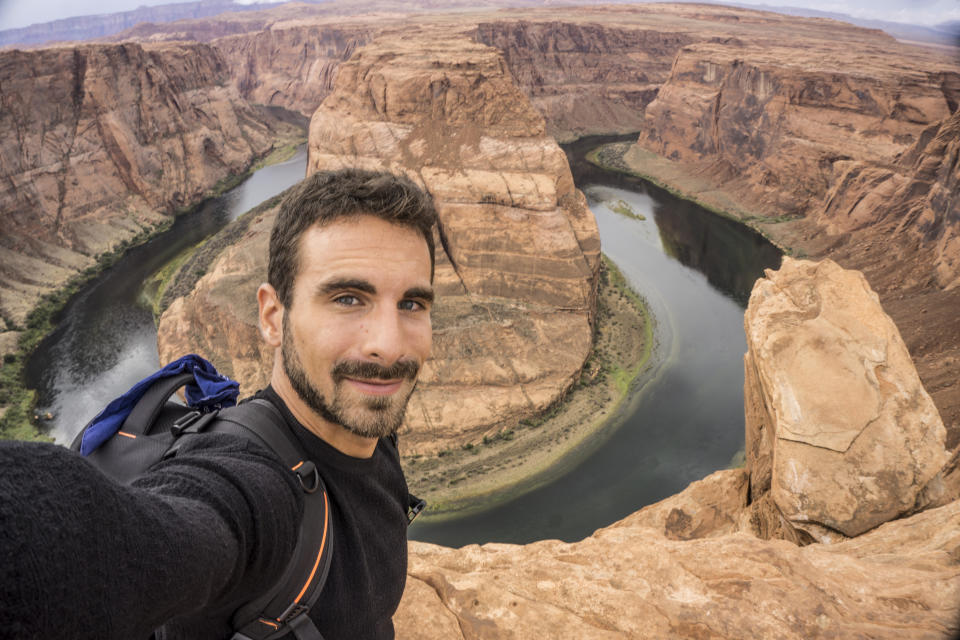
{"x": 271, "y": 315}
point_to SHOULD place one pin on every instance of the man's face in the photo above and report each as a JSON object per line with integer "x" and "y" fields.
{"x": 358, "y": 328}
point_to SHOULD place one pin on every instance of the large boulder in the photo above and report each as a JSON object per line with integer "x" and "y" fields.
{"x": 840, "y": 431}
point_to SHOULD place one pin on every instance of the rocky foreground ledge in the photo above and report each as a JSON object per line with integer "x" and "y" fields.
{"x": 825, "y": 546}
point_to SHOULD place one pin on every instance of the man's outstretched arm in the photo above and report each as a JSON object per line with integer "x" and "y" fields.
{"x": 84, "y": 557}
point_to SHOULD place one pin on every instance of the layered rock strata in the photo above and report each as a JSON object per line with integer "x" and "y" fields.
{"x": 855, "y": 160}
{"x": 291, "y": 64}
{"x": 104, "y": 142}
{"x": 831, "y": 373}
{"x": 782, "y": 129}
{"x": 518, "y": 251}
{"x": 586, "y": 78}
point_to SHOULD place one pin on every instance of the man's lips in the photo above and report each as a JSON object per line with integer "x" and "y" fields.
{"x": 375, "y": 387}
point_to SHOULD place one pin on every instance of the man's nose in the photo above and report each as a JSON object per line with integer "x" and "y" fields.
{"x": 383, "y": 335}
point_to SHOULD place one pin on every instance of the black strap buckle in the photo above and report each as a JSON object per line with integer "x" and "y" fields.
{"x": 308, "y": 476}
{"x": 193, "y": 421}
{"x": 417, "y": 505}
{"x": 294, "y": 610}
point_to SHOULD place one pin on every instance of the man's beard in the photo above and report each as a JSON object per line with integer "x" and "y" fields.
{"x": 370, "y": 417}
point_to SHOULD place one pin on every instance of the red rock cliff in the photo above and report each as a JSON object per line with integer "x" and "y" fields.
{"x": 103, "y": 142}
{"x": 854, "y": 137}
{"x": 289, "y": 64}
{"x": 585, "y": 78}
{"x": 518, "y": 251}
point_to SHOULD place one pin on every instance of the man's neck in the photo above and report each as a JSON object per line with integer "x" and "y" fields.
{"x": 335, "y": 435}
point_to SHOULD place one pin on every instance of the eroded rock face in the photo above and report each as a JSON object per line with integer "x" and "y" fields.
{"x": 292, "y": 65}
{"x": 585, "y": 78}
{"x": 840, "y": 430}
{"x": 103, "y": 142}
{"x": 518, "y": 251}
{"x": 781, "y": 124}
{"x": 850, "y": 135}
{"x": 632, "y": 580}
{"x": 852, "y": 441}
{"x": 915, "y": 197}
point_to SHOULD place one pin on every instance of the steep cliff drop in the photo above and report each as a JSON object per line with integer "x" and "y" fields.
{"x": 291, "y": 64}
{"x": 694, "y": 566}
{"x": 518, "y": 267}
{"x": 106, "y": 142}
{"x": 853, "y": 160}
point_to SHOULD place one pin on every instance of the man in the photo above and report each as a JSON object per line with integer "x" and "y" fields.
{"x": 347, "y": 310}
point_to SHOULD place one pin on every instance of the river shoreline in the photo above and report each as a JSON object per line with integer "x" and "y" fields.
{"x": 481, "y": 475}
{"x": 631, "y": 160}
{"x": 18, "y": 419}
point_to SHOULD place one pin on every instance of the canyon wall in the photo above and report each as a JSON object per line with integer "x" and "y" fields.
{"x": 842, "y": 147}
{"x": 518, "y": 251}
{"x": 291, "y": 65}
{"x": 828, "y": 387}
{"x": 585, "y": 79}
{"x": 104, "y": 142}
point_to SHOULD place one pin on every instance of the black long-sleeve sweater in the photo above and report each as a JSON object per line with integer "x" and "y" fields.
{"x": 83, "y": 557}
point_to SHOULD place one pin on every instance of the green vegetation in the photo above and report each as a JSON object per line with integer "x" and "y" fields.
{"x": 17, "y": 403}
{"x": 610, "y": 158}
{"x": 279, "y": 154}
{"x": 623, "y": 208}
{"x": 157, "y": 283}
{"x": 481, "y": 473}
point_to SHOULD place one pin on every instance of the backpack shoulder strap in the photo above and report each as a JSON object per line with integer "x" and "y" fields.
{"x": 285, "y": 607}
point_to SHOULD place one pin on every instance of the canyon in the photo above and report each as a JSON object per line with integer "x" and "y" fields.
{"x": 518, "y": 251}
{"x": 835, "y": 141}
{"x": 804, "y": 542}
{"x": 104, "y": 144}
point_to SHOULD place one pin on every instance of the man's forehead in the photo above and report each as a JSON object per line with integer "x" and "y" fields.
{"x": 363, "y": 238}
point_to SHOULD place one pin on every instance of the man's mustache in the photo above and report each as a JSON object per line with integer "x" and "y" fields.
{"x": 373, "y": 371}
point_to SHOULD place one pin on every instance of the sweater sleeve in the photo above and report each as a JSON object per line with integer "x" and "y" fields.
{"x": 84, "y": 557}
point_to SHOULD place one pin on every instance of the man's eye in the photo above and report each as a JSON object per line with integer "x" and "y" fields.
{"x": 410, "y": 305}
{"x": 347, "y": 301}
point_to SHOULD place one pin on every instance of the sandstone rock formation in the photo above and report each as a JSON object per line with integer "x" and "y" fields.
{"x": 826, "y": 371}
{"x": 840, "y": 431}
{"x": 586, "y": 78}
{"x": 104, "y": 142}
{"x": 633, "y": 580}
{"x": 291, "y": 64}
{"x": 518, "y": 251}
{"x": 847, "y": 133}
{"x": 782, "y": 126}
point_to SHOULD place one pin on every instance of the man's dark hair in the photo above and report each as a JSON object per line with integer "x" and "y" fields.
{"x": 327, "y": 196}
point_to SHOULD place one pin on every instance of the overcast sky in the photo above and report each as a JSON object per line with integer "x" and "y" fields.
{"x": 20, "y": 13}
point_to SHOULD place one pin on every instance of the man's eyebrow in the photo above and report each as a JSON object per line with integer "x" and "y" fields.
{"x": 419, "y": 293}
{"x": 342, "y": 284}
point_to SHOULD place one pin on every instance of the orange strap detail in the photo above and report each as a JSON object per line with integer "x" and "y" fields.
{"x": 124, "y": 433}
{"x": 323, "y": 543}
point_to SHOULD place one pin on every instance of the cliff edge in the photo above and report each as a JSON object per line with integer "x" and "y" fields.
{"x": 853, "y": 442}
